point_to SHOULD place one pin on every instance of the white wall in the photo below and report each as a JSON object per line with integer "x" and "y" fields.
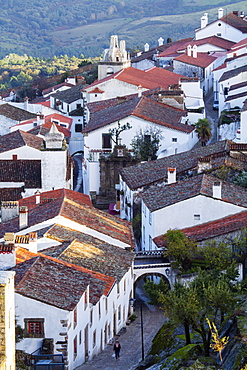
{"x": 6, "y": 123}
{"x": 93, "y": 141}
{"x": 53, "y": 169}
{"x": 112, "y": 88}
{"x": 8, "y": 319}
{"x": 24, "y": 152}
{"x": 181, "y": 215}
{"x": 221, "y": 29}
{"x": 30, "y": 308}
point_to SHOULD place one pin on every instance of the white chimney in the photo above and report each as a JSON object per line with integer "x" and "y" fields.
{"x": 9, "y": 210}
{"x": 7, "y": 256}
{"x": 194, "y": 51}
{"x": 33, "y": 242}
{"x": 160, "y": 41}
{"x": 37, "y": 195}
{"x": 189, "y": 50}
{"x": 23, "y": 217}
{"x": 220, "y": 13}
{"x": 139, "y": 91}
{"x": 171, "y": 175}
{"x": 204, "y": 20}
{"x": 146, "y": 47}
{"x": 217, "y": 189}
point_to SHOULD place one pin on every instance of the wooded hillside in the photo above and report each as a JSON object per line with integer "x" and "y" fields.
{"x": 38, "y": 28}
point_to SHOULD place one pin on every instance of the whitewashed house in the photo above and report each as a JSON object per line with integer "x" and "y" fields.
{"x": 74, "y": 290}
{"x": 32, "y": 163}
{"x": 194, "y": 64}
{"x": 231, "y": 26}
{"x": 186, "y": 203}
{"x": 141, "y": 113}
{"x": 11, "y": 116}
{"x": 134, "y": 179}
{"x": 7, "y": 319}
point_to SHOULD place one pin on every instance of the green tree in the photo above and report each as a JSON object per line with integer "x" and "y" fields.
{"x": 203, "y": 130}
{"x": 241, "y": 179}
{"x": 146, "y": 143}
{"x": 217, "y": 255}
{"x": 116, "y": 131}
{"x": 178, "y": 247}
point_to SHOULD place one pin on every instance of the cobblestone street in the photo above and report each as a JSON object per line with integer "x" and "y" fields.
{"x": 131, "y": 348}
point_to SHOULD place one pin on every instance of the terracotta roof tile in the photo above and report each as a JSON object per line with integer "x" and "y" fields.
{"x": 89, "y": 252}
{"x": 202, "y": 60}
{"x": 142, "y": 107}
{"x": 235, "y": 21}
{"x": 217, "y": 228}
{"x": 149, "y": 79}
{"x": 58, "y": 283}
{"x": 18, "y": 139}
{"x": 23, "y": 170}
{"x": 212, "y": 40}
{"x": 147, "y": 173}
{"x": 15, "y": 113}
{"x": 74, "y": 206}
{"x": 160, "y": 197}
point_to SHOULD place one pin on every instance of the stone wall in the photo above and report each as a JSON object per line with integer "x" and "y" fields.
{"x": 110, "y": 167}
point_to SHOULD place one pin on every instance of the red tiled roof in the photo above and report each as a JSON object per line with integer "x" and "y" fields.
{"x": 15, "y": 113}
{"x": 142, "y": 107}
{"x": 96, "y": 91}
{"x": 235, "y": 21}
{"x": 180, "y": 44}
{"x": 222, "y": 66}
{"x": 239, "y": 45}
{"x": 202, "y": 60}
{"x": 212, "y": 40}
{"x": 73, "y": 206}
{"x": 89, "y": 252}
{"x": 58, "y": 283}
{"x": 22, "y": 170}
{"x": 18, "y": 139}
{"x": 149, "y": 79}
{"x": 217, "y": 228}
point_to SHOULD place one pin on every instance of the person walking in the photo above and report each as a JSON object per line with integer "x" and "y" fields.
{"x": 117, "y": 348}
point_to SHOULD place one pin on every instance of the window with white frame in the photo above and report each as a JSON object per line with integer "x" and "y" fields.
{"x": 150, "y": 218}
{"x": 150, "y": 243}
{"x": 197, "y": 217}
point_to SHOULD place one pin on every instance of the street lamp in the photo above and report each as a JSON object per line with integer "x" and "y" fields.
{"x": 132, "y": 303}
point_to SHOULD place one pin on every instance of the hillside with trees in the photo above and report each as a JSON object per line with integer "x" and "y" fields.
{"x": 46, "y": 28}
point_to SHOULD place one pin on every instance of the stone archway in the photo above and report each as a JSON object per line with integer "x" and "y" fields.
{"x": 141, "y": 277}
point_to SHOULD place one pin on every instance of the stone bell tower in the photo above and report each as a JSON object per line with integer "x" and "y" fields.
{"x": 115, "y": 58}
